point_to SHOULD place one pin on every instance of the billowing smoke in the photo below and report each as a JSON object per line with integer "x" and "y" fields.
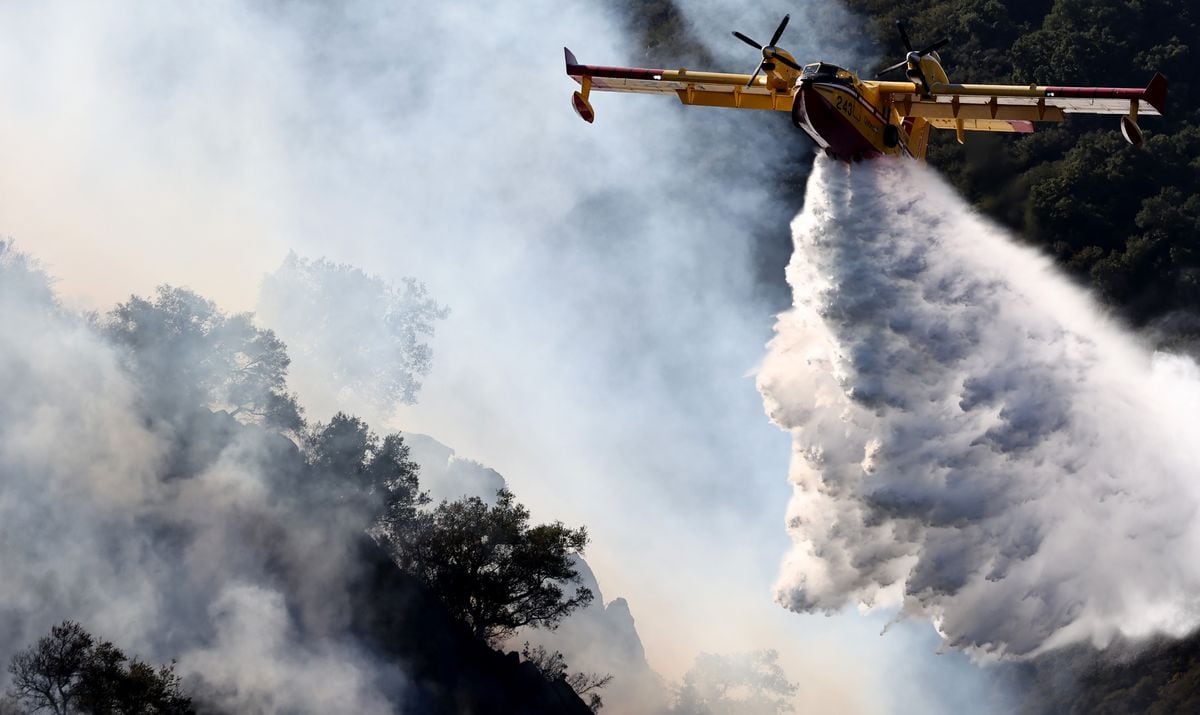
{"x": 825, "y": 31}
{"x": 604, "y": 279}
{"x": 972, "y": 438}
{"x": 176, "y": 537}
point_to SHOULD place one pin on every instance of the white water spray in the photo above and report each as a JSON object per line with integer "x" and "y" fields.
{"x": 973, "y": 440}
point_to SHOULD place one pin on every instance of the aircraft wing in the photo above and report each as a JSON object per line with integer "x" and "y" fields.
{"x": 985, "y": 125}
{"x": 712, "y": 89}
{"x": 1031, "y": 103}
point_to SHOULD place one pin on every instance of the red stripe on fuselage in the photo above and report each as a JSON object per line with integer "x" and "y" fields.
{"x": 835, "y": 130}
{"x": 613, "y": 72}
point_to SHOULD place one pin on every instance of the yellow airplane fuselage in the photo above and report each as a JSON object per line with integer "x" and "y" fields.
{"x": 854, "y": 119}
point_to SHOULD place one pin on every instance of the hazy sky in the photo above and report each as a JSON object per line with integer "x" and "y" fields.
{"x": 606, "y": 320}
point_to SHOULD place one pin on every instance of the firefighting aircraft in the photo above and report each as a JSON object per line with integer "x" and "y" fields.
{"x": 854, "y": 119}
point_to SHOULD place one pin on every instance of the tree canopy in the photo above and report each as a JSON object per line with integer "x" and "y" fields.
{"x": 356, "y": 467}
{"x": 746, "y": 684}
{"x": 69, "y": 671}
{"x": 190, "y": 354}
{"x": 1122, "y": 219}
{"x": 359, "y": 332}
{"x": 494, "y": 571}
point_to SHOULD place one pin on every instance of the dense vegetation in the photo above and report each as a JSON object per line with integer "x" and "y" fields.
{"x": 1127, "y": 221}
{"x": 432, "y": 586}
{"x": 437, "y": 590}
{"x": 69, "y": 671}
{"x": 1124, "y": 220}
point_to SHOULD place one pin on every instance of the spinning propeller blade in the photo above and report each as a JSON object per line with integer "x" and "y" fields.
{"x": 904, "y": 35}
{"x": 779, "y": 30}
{"x": 789, "y": 63}
{"x": 768, "y": 52}
{"x": 893, "y": 68}
{"x": 908, "y": 46}
{"x": 747, "y": 40}
{"x": 935, "y": 46}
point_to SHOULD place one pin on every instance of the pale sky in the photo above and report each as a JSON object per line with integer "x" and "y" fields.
{"x": 605, "y": 323}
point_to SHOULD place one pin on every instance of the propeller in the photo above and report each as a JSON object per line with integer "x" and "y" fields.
{"x": 913, "y": 56}
{"x": 770, "y": 52}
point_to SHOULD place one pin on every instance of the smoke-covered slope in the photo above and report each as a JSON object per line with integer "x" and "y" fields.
{"x": 602, "y": 638}
{"x": 972, "y": 438}
{"x": 183, "y": 533}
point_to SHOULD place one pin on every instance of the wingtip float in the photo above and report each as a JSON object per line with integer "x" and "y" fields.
{"x": 854, "y": 119}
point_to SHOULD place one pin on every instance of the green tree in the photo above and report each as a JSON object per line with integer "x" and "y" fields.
{"x": 359, "y": 469}
{"x": 68, "y": 671}
{"x": 1112, "y": 215}
{"x": 491, "y": 569}
{"x": 193, "y": 355}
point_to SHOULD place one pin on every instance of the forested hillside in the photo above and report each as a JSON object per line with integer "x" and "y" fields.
{"x": 284, "y": 564}
{"x": 1124, "y": 220}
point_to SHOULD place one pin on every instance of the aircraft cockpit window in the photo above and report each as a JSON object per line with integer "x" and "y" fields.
{"x": 825, "y": 72}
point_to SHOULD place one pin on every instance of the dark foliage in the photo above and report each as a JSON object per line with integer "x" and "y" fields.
{"x": 1161, "y": 675}
{"x": 494, "y": 571}
{"x": 553, "y": 667}
{"x": 336, "y": 490}
{"x": 189, "y": 354}
{"x": 68, "y": 671}
{"x": 448, "y": 669}
{"x": 1125, "y": 221}
{"x": 353, "y": 467}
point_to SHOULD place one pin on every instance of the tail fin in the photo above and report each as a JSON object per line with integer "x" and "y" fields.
{"x": 571, "y": 61}
{"x": 1156, "y": 93}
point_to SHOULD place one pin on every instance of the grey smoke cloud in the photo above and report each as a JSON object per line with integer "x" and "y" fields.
{"x": 973, "y": 440}
{"x": 825, "y": 32}
{"x": 256, "y": 665}
{"x": 71, "y": 437}
{"x": 211, "y": 567}
{"x": 606, "y": 307}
